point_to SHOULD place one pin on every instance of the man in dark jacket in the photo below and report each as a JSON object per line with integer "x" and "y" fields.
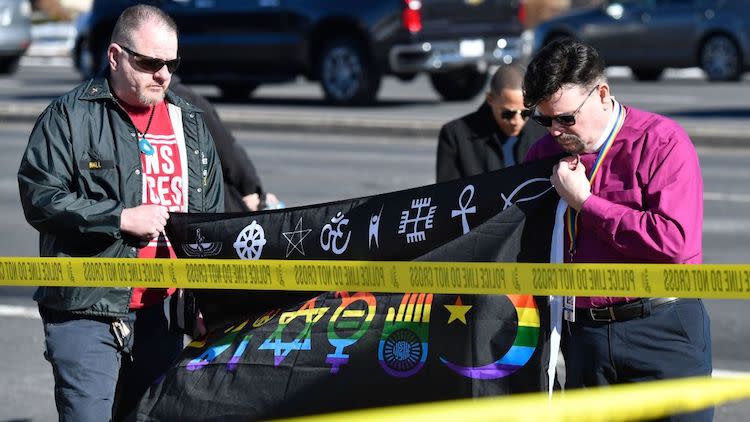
{"x": 104, "y": 165}
{"x": 242, "y": 187}
{"x": 495, "y": 136}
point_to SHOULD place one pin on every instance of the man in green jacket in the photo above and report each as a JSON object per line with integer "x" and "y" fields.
{"x": 104, "y": 166}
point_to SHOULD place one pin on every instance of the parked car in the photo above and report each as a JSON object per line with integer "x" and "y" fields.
{"x": 15, "y": 33}
{"x": 347, "y": 46}
{"x": 52, "y": 39}
{"x": 651, "y": 35}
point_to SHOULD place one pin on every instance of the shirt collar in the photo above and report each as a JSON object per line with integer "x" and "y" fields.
{"x": 610, "y": 124}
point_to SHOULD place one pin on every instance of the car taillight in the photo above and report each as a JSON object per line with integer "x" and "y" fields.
{"x": 522, "y": 12}
{"x": 412, "y": 16}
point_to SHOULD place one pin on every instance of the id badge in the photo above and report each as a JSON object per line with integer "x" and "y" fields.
{"x": 569, "y": 308}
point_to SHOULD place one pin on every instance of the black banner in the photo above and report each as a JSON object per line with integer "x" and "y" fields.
{"x": 278, "y": 354}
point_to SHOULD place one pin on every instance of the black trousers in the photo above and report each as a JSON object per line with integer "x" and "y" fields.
{"x": 670, "y": 341}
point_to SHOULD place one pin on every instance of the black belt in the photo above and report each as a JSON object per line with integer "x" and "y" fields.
{"x": 620, "y": 311}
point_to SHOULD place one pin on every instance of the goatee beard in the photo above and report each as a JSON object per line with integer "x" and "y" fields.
{"x": 571, "y": 143}
{"x": 150, "y": 101}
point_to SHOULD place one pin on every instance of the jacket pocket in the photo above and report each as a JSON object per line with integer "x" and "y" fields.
{"x": 70, "y": 298}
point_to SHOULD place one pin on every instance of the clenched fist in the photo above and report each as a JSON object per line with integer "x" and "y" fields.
{"x": 570, "y": 181}
{"x": 144, "y": 221}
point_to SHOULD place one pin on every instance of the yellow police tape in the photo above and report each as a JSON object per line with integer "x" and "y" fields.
{"x": 631, "y": 402}
{"x": 636, "y": 280}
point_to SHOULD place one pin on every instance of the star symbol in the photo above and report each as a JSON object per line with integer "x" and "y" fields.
{"x": 295, "y": 239}
{"x": 458, "y": 311}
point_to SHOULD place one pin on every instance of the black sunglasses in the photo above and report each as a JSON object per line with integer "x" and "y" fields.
{"x": 509, "y": 113}
{"x": 152, "y": 64}
{"x": 567, "y": 119}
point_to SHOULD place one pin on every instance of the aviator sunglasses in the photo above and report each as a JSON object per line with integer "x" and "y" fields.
{"x": 509, "y": 113}
{"x": 567, "y": 119}
{"x": 152, "y": 64}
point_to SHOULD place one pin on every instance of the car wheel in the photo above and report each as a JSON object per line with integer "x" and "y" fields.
{"x": 459, "y": 85}
{"x": 720, "y": 59}
{"x": 347, "y": 74}
{"x": 237, "y": 91}
{"x": 9, "y": 65}
{"x": 647, "y": 74}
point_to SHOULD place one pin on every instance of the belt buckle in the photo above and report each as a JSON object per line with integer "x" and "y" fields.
{"x": 609, "y": 319}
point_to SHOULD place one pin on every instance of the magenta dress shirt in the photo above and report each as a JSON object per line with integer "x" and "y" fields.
{"x": 647, "y": 200}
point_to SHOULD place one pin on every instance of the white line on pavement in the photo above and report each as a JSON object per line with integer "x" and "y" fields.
{"x": 724, "y": 373}
{"x": 19, "y": 311}
{"x": 726, "y": 226}
{"x": 46, "y": 61}
{"x": 726, "y": 197}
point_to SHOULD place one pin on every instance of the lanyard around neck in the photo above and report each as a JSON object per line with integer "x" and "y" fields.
{"x": 572, "y": 215}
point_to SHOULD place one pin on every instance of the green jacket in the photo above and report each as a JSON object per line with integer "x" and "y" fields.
{"x": 76, "y": 205}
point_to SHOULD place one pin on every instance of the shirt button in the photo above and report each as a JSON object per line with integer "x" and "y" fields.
{"x": 132, "y": 250}
{"x": 196, "y": 152}
{"x": 198, "y": 190}
{"x": 132, "y": 134}
{"x": 192, "y": 115}
{"x": 137, "y": 172}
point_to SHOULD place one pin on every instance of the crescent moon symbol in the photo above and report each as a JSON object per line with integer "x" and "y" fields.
{"x": 519, "y": 353}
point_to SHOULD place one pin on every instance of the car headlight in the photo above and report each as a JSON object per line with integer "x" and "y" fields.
{"x": 527, "y": 43}
{"x": 6, "y": 16}
{"x": 24, "y": 8}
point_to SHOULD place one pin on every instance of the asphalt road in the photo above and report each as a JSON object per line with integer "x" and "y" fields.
{"x": 304, "y": 167}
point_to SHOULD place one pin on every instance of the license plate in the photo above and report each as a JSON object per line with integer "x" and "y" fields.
{"x": 471, "y": 48}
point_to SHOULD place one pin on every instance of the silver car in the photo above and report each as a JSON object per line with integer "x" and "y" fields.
{"x": 15, "y": 32}
{"x": 651, "y": 35}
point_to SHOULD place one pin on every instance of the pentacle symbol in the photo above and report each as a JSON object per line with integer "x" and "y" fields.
{"x": 295, "y": 238}
{"x": 402, "y": 350}
{"x": 250, "y": 241}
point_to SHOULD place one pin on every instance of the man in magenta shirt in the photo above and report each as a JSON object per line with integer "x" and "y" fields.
{"x": 634, "y": 191}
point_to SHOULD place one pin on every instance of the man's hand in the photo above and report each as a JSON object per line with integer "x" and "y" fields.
{"x": 199, "y": 330}
{"x": 252, "y": 201}
{"x": 570, "y": 182}
{"x": 144, "y": 221}
{"x": 271, "y": 202}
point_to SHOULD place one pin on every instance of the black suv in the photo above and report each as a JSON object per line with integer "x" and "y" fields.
{"x": 346, "y": 45}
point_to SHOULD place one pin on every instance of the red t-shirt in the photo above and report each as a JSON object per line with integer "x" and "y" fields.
{"x": 164, "y": 183}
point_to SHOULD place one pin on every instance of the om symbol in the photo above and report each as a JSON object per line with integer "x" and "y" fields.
{"x": 329, "y": 238}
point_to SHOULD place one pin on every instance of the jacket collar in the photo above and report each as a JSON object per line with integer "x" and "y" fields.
{"x": 486, "y": 125}
{"x": 98, "y": 89}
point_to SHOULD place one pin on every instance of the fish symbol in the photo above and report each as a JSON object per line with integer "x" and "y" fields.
{"x": 509, "y": 200}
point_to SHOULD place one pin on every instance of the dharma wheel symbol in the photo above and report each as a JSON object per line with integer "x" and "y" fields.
{"x": 250, "y": 241}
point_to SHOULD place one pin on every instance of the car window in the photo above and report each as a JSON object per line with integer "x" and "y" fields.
{"x": 649, "y": 4}
{"x": 674, "y": 2}
{"x": 635, "y": 4}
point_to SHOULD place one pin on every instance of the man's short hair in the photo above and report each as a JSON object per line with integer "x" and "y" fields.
{"x": 562, "y": 62}
{"x": 133, "y": 17}
{"x": 508, "y": 76}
